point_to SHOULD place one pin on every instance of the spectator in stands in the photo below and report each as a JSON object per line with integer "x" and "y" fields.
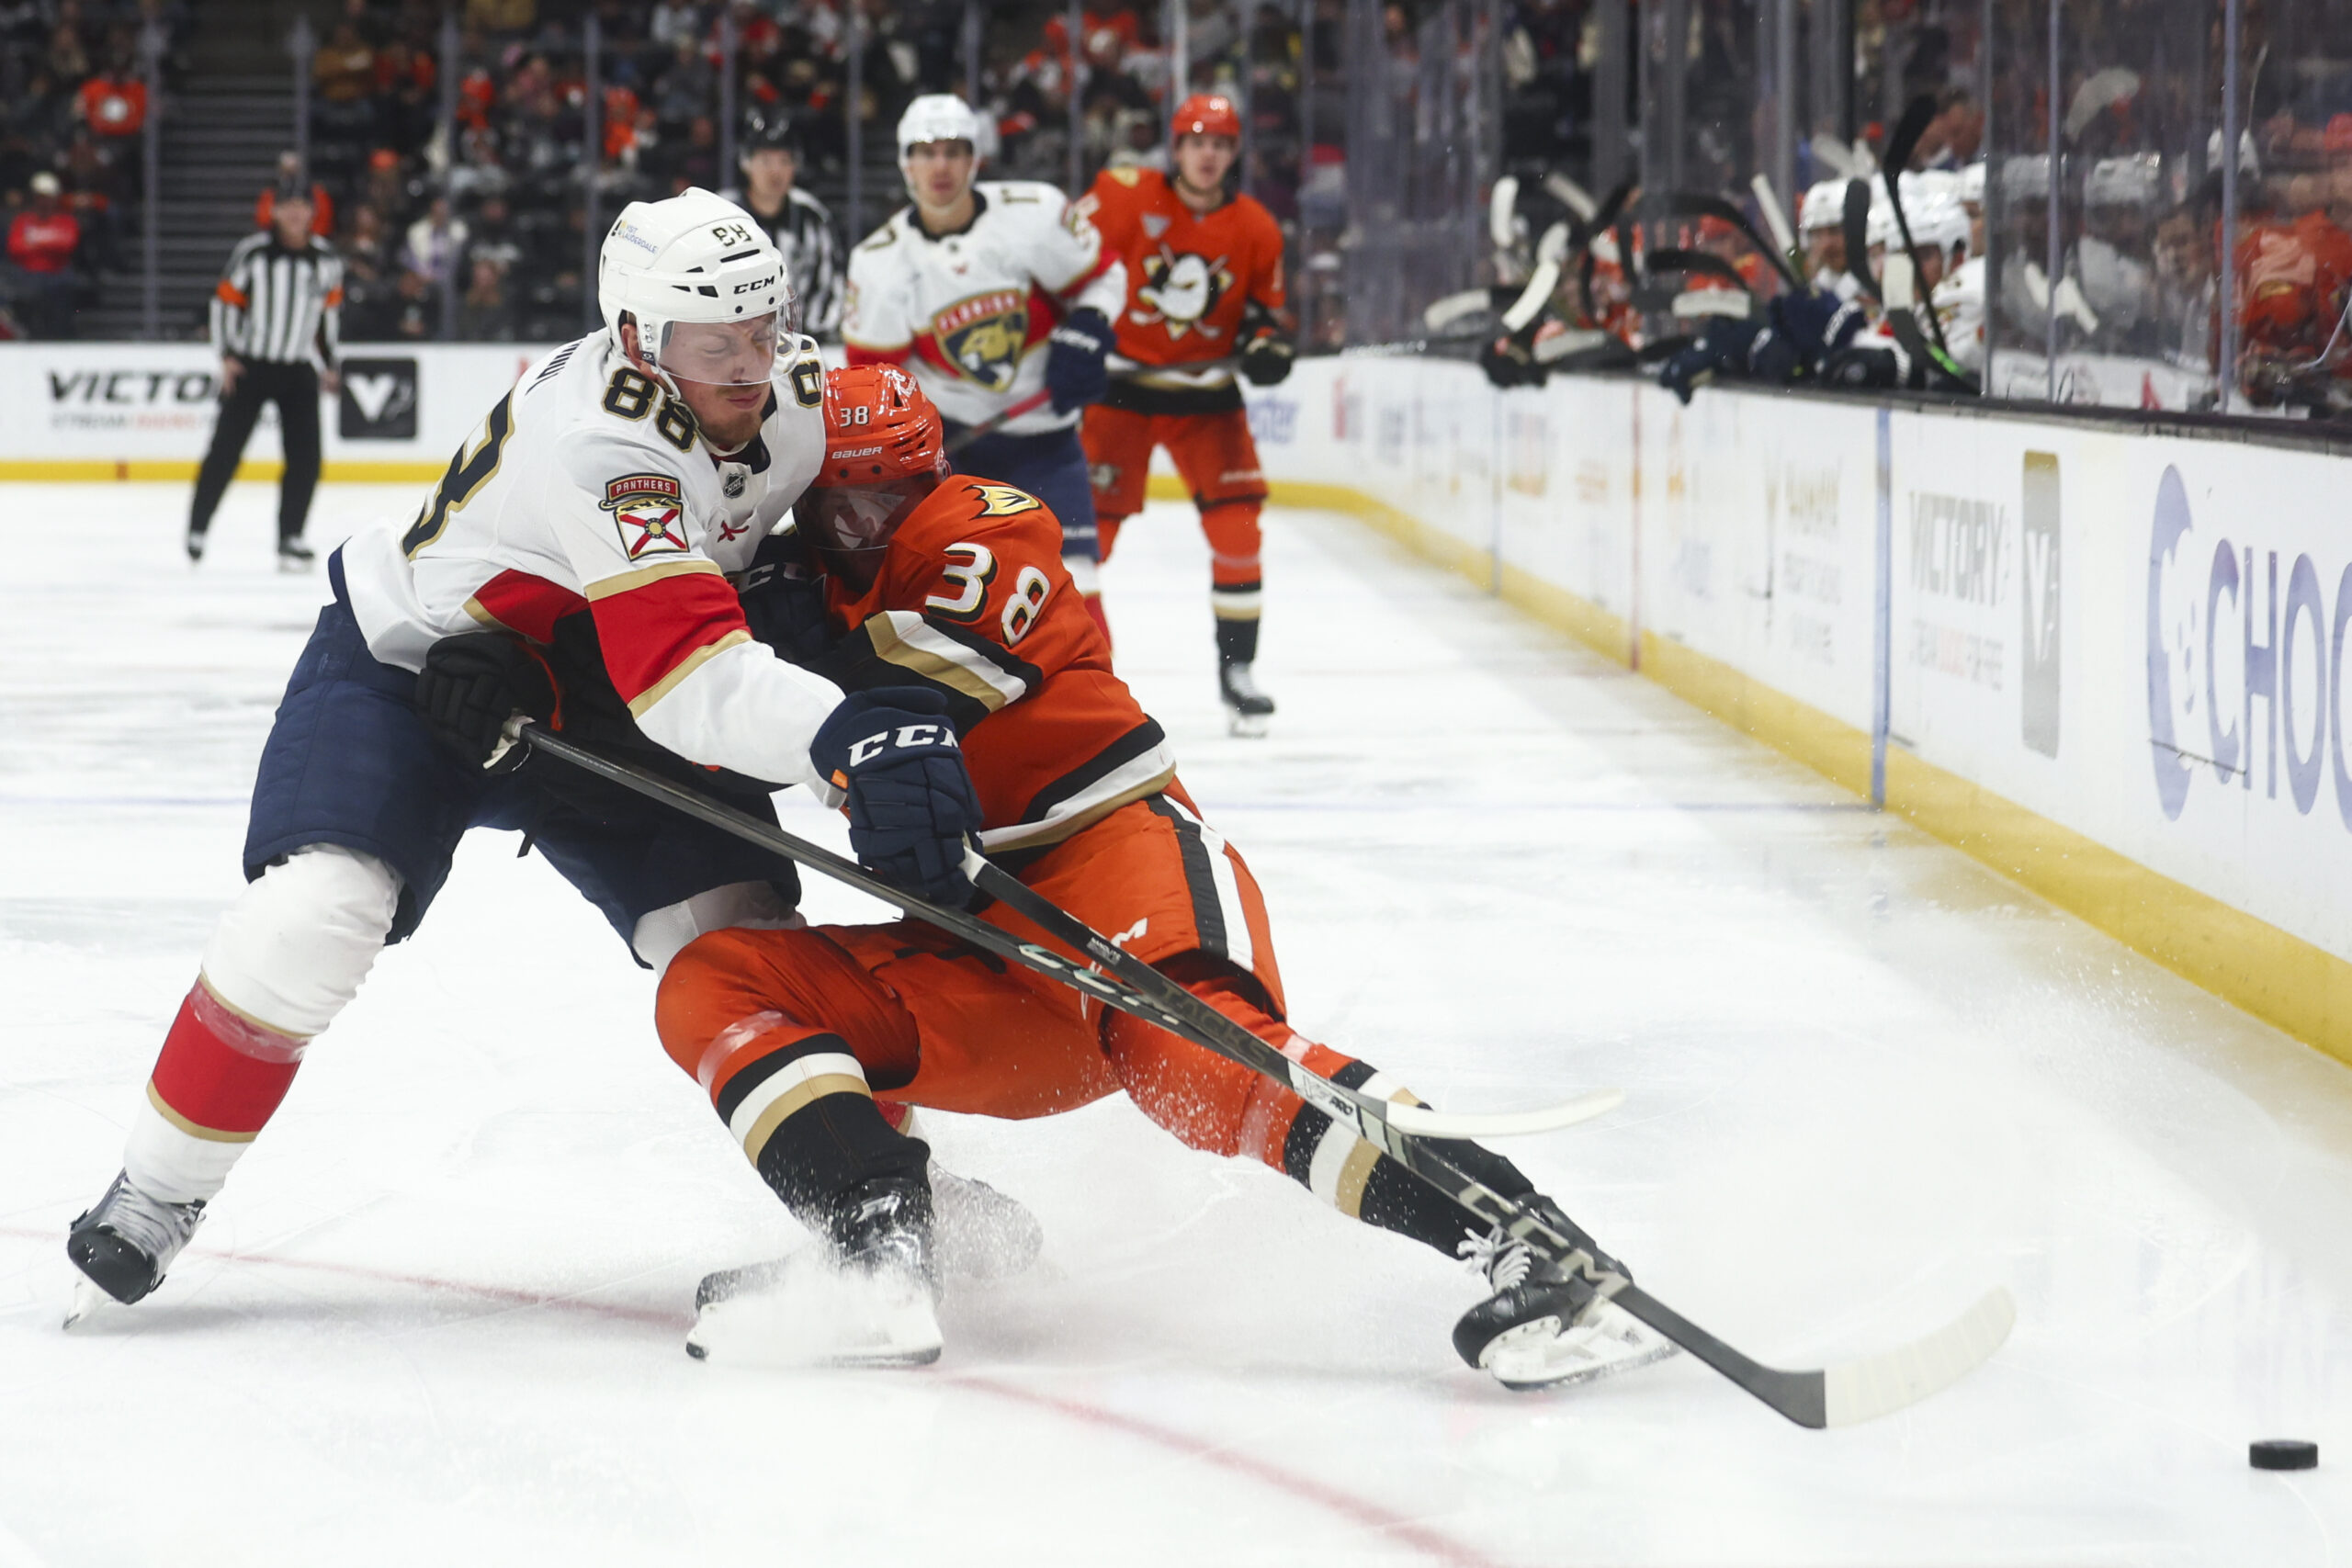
{"x": 435, "y": 242}
{"x": 672, "y": 20}
{"x": 343, "y": 77}
{"x": 486, "y": 315}
{"x": 114, "y": 102}
{"x": 44, "y": 241}
{"x": 406, "y": 105}
{"x": 502, "y": 16}
{"x": 68, "y": 61}
{"x": 370, "y": 278}
{"x": 289, "y": 168}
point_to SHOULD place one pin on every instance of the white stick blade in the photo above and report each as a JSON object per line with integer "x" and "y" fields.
{"x": 1423, "y": 1122}
{"x": 1865, "y": 1389}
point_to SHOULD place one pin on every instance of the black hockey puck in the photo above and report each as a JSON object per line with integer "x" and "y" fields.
{"x": 2283, "y": 1453}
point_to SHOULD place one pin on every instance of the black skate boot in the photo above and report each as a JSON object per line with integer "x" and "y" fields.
{"x": 293, "y": 555}
{"x": 126, "y": 1241}
{"x": 1552, "y": 1323}
{"x": 864, "y": 1296}
{"x": 1247, "y": 709}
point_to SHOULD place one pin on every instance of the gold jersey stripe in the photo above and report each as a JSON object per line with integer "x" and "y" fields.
{"x": 683, "y": 668}
{"x": 629, "y": 581}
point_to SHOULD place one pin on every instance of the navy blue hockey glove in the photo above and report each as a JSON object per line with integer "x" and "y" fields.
{"x": 1816, "y": 323}
{"x": 1266, "y": 360}
{"x": 472, "y": 684}
{"x": 1075, "y": 371}
{"x": 911, "y": 804}
{"x": 1862, "y": 369}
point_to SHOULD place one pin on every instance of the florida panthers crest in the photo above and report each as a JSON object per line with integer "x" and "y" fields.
{"x": 982, "y": 337}
{"x": 1179, "y": 290}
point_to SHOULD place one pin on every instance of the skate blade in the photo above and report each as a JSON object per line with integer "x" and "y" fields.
{"x": 88, "y": 1299}
{"x": 1248, "y": 726}
{"x": 1537, "y": 1355}
{"x": 800, "y": 1311}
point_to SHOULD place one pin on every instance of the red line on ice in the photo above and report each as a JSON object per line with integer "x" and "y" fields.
{"x": 1358, "y": 1511}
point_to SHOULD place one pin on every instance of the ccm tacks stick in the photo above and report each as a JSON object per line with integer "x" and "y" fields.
{"x": 1414, "y": 1135}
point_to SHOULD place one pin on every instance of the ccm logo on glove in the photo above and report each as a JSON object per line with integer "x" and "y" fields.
{"x": 905, "y": 737}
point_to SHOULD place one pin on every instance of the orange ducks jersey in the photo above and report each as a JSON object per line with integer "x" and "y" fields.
{"x": 1191, "y": 276}
{"x": 972, "y": 602}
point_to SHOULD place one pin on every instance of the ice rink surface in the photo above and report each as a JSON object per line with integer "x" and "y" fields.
{"x": 437, "y": 1316}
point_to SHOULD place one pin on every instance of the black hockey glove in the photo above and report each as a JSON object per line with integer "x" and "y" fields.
{"x": 472, "y": 684}
{"x": 1862, "y": 367}
{"x": 1266, "y": 361}
{"x": 1075, "y": 369}
{"x": 893, "y": 755}
{"x": 1510, "y": 362}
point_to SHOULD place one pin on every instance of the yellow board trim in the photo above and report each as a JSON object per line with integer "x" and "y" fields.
{"x": 2277, "y": 976}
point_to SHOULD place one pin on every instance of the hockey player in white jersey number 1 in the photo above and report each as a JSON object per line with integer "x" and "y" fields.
{"x": 592, "y": 516}
{"x": 999, "y": 296}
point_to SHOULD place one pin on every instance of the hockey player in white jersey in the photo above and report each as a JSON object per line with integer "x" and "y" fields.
{"x": 999, "y": 295}
{"x": 596, "y": 512}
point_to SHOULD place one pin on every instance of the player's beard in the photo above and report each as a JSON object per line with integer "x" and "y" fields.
{"x": 728, "y": 416}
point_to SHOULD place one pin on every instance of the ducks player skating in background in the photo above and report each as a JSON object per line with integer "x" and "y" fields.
{"x": 1205, "y": 299}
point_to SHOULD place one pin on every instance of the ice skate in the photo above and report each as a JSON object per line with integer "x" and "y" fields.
{"x": 293, "y": 555}
{"x": 123, "y": 1244}
{"x": 864, "y": 1295}
{"x": 1247, "y": 710}
{"x": 195, "y": 546}
{"x": 1546, "y": 1325}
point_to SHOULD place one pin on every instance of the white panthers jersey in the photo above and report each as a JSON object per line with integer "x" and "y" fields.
{"x": 1959, "y": 301}
{"x": 588, "y": 488}
{"x": 970, "y": 312}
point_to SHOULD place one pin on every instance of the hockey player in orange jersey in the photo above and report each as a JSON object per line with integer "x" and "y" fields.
{"x": 1204, "y": 299}
{"x": 956, "y": 620}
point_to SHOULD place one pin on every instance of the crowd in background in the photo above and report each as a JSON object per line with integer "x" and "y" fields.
{"x": 73, "y": 106}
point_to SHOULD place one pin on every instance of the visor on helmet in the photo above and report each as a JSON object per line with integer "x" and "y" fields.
{"x": 726, "y": 354}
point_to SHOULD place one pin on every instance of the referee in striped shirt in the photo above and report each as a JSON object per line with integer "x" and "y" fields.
{"x": 277, "y": 304}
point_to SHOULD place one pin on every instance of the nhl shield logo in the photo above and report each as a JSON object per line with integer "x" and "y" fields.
{"x": 647, "y": 510}
{"x": 981, "y": 338}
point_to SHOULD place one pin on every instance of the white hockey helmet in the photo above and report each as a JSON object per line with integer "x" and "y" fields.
{"x": 1823, "y": 206}
{"x": 1938, "y": 222}
{"x": 697, "y": 261}
{"x": 1971, "y": 183}
{"x": 937, "y": 116}
{"x": 2128, "y": 181}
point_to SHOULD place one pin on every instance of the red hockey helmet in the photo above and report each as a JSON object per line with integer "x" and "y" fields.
{"x": 882, "y": 457}
{"x": 879, "y": 426}
{"x": 1205, "y": 114}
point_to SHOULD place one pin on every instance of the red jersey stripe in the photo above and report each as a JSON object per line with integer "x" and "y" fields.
{"x": 655, "y": 632}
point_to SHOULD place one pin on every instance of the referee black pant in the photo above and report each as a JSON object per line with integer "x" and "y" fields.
{"x": 294, "y": 388}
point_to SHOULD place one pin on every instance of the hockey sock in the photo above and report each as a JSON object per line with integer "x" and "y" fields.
{"x": 286, "y": 958}
{"x": 219, "y": 1078}
{"x": 1087, "y": 577}
{"x": 1235, "y": 577}
{"x": 733, "y": 1011}
{"x": 1225, "y": 1107}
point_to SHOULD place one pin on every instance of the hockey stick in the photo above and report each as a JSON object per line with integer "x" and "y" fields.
{"x": 995, "y": 422}
{"x": 1706, "y": 264}
{"x": 1857, "y": 236}
{"x": 1698, "y": 204}
{"x": 1838, "y": 1396}
{"x": 1382, "y": 1122}
{"x": 1899, "y": 148}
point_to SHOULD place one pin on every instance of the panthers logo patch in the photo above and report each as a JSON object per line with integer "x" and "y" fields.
{"x": 647, "y": 510}
{"x": 982, "y": 338}
{"x": 1179, "y": 289}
